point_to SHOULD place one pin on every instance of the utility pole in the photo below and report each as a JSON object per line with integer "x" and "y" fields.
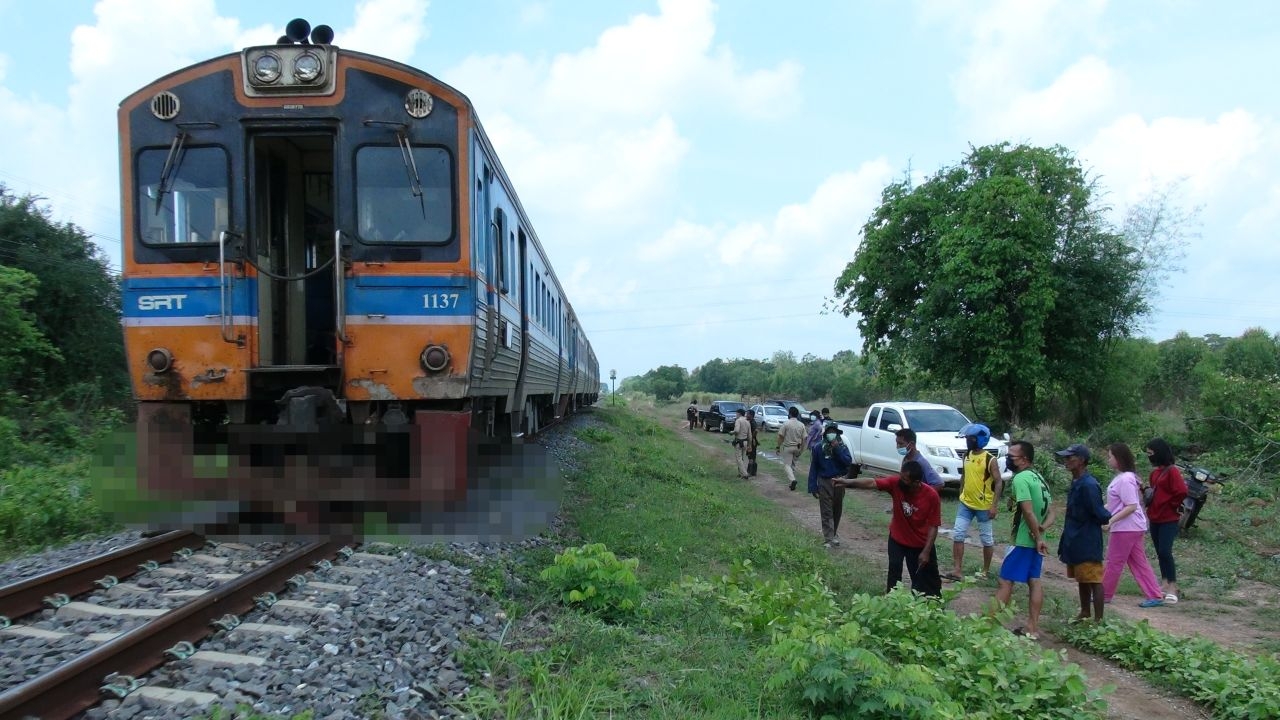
{"x": 613, "y": 380}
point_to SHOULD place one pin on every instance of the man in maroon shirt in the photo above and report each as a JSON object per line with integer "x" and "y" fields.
{"x": 917, "y": 514}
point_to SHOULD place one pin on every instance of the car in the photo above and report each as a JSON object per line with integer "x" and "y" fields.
{"x": 721, "y": 415}
{"x": 770, "y": 417}
{"x": 788, "y": 404}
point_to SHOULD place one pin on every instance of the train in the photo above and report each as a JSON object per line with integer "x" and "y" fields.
{"x": 331, "y": 291}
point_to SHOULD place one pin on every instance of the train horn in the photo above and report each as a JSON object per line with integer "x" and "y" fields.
{"x": 322, "y": 35}
{"x": 297, "y": 30}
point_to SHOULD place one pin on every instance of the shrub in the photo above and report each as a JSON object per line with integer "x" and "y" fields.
{"x": 594, "y": 579}
{"x": 1232, "y": 685}
{"x": 754, "y": 605}
{"x": 41, "y": 506}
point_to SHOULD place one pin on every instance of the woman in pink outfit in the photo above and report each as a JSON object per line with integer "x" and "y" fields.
{"x": 1128, "y": 528}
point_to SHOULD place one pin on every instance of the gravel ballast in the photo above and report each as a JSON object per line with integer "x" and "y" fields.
{"x": 389, "y": 646}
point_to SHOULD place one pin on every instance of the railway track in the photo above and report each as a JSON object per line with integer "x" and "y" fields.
{"x": 139, "y": 637}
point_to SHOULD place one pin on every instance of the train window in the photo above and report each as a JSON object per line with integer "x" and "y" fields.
{"x": 188, "y": 206}
{"x": 500, "y": 272}
{"x": 392, "y": 206}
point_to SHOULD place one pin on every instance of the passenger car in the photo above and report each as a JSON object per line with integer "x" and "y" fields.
{"x": 770, "y": 417}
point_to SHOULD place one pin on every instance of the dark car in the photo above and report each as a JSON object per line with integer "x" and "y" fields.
{"x": 788, "y": 404}
{"x": 721, "y": 415}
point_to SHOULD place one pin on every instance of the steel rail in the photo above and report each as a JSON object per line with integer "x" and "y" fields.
{"x": 76, "y": 685}
{"x": 27, "y": 596}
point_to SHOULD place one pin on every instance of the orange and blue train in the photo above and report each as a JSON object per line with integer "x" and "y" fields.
{"x": 328, "y": 278}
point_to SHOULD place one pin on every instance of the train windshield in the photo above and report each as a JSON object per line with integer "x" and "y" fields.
{"x": 190, "y": 204}
{"x": 394, "y": 206}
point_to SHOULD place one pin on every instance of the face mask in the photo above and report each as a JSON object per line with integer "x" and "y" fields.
{"x": 902, "y": 452}
{"x": 831, "y": 437}
{"x": 1008, "y": 464}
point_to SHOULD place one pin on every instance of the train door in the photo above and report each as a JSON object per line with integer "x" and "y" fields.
{"x": 292, "y": 247}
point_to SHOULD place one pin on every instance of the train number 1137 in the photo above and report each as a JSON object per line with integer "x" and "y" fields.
{"x": 440, "y": 301}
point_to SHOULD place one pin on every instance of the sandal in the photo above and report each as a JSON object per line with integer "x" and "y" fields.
{"x": 1022, "y": 632}
{"x": 952, "y": 577}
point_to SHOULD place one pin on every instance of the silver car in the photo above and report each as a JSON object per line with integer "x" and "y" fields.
{"x": 770, "y": 417}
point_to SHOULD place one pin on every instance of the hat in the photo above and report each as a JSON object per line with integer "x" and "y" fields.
{"x": 1076, "y": 450}
{"x": 832, "y": 427}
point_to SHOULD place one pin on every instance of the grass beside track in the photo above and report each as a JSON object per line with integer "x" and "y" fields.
{"x": 643, "y": 493}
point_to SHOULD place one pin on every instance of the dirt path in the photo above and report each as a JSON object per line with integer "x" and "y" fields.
{"x": 1133, "y": 696}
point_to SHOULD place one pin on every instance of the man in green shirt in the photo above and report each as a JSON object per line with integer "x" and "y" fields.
{"x": 1033, "y": 514}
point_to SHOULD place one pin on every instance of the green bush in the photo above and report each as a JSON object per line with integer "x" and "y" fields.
{"x": 44, "y": 505}
{"x": 1232, "y": 685}
{"x": 895, "y": 655}
{"x": 753, "y": 605}
{"x": 594, "y": 579}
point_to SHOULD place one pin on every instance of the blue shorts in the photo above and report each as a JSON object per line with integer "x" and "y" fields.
{"x": 1021, "y": 565}
{"x": 966, "y": 515}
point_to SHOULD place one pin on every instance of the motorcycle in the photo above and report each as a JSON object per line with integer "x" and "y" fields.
{"x": 1198, "y": 480}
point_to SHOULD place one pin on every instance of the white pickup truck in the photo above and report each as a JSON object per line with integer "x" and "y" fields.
{"x": 873, "y": 443}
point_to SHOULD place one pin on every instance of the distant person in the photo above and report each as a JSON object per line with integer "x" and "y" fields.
{"x": 1170, "y": 491}
{"x": 1033, "y": 514}
{"x": 981, "y": 484}
{"x": 741, "y": 438}
{"x": 812, "y": 441}
{"x": 826, "y": 416}
{"x": 834, "y": 463}
{"x": 1128, "y": 529}
{"x": 753, "y": 444}
{"x": 917, "y": 513}
{"x": 1081, "y": 545}
{"x": 906, "y": 442}
{"x": 790, "y": 444}
{"x": 692, "y": 414}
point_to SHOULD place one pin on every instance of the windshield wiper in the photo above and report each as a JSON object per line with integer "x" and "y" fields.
{"x": 411, "y": 167}
{"x": 171, "y": 164}
{"x": 406, "y": 154}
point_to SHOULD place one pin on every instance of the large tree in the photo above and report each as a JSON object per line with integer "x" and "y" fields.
{"x": 77, "y": 301}
{"x": 999, "y": 273}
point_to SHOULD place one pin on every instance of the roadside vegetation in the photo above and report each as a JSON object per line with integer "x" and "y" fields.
{"x": 62, "y": 376}
{"x": 676, "y": 595}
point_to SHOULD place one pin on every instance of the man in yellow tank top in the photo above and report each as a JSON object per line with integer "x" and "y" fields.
{"x": 979, "y": 492}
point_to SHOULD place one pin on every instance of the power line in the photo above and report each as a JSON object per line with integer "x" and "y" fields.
{"x": 706, "y": 322}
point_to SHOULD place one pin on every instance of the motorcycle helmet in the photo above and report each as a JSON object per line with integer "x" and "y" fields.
{"x": 977, "y": 430}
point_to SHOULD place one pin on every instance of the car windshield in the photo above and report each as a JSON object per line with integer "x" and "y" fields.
{"x": 936, "y": 420}
{"x": 771, "y": 410}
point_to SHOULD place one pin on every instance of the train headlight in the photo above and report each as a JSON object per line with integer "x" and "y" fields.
{"x": 434, "y": 358}
{"x": 266, "y": 69}
{"x": 307, "y": 68}
{"x": 160, "y": 360}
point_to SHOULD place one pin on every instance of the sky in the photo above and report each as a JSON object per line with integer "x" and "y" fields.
{"x": 699, "y": 173}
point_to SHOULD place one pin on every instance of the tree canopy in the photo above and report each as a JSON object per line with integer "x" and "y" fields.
{"x": 68, "y": 300}
{"x": 1000, "y": 273}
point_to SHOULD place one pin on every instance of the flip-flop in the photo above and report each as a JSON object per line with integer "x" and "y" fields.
{"x": 1022, "y": 632}
{"x": 951, "y": 577}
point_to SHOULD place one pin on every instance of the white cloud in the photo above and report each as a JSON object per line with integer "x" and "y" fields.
{"x": 1132, "y": 153}
{"x": 1013, "y": 47}
{"x": 1080, "y": 94}
{"x": 634, "y": 72}
{"x": 390, "y": 28}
